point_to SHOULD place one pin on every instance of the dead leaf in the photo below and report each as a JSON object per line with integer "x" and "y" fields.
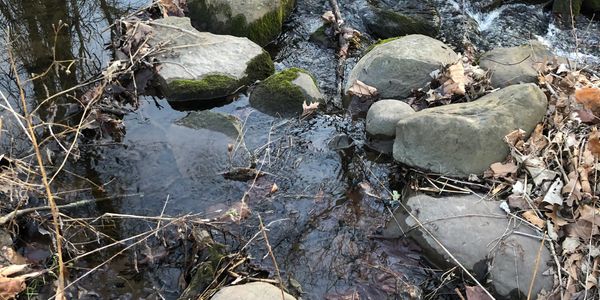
{"x": 328, "y": 17}
{"x": 457, "y": 82}
{"x": 573, "y": 188}
{"x": 554, "y": 194}
{"x": 570, "y": 245}
{"x": 274, "y": 188}
{"x": 594, "y": 142}
{"x": 534, "y": 219}
{"x": 590, "y": 98}
{"x": 310, "y": 108}
{"x": 476, "y": 293}
{"x": 556, "y": 219}
{"x": 590, "y": 214}
{"x": 503, "y": 170}
{"x": 360, "y": 89}
{"x": 537, "y": 141}
{"x": 173, "y": 8}
{"x": 12, "y": 256}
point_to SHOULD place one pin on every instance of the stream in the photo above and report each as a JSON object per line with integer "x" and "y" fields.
{"x": 325, "y": 225}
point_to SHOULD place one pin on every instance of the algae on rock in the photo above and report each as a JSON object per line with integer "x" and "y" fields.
{"x": 284, "y": 93}
{"x": 200, "y": 65}
{"x": 258, "y": 20}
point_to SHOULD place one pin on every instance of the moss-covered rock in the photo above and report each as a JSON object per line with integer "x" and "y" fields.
{"x": 404, "y": 18}
{"x": 379, "y": 43}
{"x": 202, "y": 66}
{"x": 258, "y": 20}
{"x": 284, "y": 93}
{"x": 566, "y": 7}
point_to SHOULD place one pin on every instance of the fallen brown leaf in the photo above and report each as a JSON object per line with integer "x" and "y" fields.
{"x": 503, "y": 170}
{"x": 594, "y": 142}
{"x": 476, "y": 293}
{"x": 361, "y": 89}
{"x": 534, "y": 219}
{"x": 308, "y": 109}
{"x": 590, "y": 98}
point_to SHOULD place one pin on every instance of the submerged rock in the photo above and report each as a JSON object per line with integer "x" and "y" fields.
{"x": 466, "y": 138}
{"x": 386, "y": 19}
{"x": 226, "y": 124}
{"x": 252, "y": 291}
{"x": 199, "y": 65}
{"x": 284, "y": 93}
{"x": 258, "y": 20}
{"x": 515, "y": 64}
{"x": 480, "y": 236}
{"x": 395, "y": 67}
{"x": 383, "y": 116}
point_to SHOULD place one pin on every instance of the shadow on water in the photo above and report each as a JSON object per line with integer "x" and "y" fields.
{"x": 330, "y": 202}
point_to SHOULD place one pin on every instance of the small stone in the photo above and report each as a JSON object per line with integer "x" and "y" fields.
{"x": 384, "y": 115}
{"x": 251, "y": 291}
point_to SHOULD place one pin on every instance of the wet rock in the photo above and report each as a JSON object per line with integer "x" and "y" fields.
{"x": 480, "y": 236}
{"x": 386, "y": 19}
{"x": 384, "y": 115}
{"x": 466, "y": 138}
{"x": 251, "y": 291}
{"x": 395, "y": 68}
{"x": 213, "y": 121}
{"x": 200, "y": 65}
{"x": 515, "y": 64}
{"x": 258, "y": 20}
{"x": 284, "y": 93}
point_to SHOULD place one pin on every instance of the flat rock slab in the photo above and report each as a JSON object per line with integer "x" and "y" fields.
{"x": 251, "y": 291}
{"x": 398, "y": 66}
{"x": 481, "y": 237}
{"x": 515, "y": 64}
{"x": 466, "y": 138}
{"x": 199, "y": 65}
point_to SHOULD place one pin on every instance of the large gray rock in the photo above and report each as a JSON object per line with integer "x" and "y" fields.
{"x": 466, "y": 138}
{"x": 199, "y": 65}
{"x": 480, "y": 236}
{"x": 383, "y": 116}
{"x": 397, "y": 67}
{"x": 515, "y": 64}
{"x": 258, "y": 20}
{"x": 251, "y": 291}
{"x": 285, "y": 92}
{"x": 386, "y": 19}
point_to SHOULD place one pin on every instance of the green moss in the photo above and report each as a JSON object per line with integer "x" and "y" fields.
{"x": 208, "y": 87}
{"x": 218, "y": 18}
{"x": 259, "y": 68}
{"x": 278, "y": 95}
{"x": 205, "y": 271}
{"x": 379, "y": 42}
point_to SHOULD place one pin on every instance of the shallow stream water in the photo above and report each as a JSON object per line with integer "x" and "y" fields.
{"x": 324, "y": 234}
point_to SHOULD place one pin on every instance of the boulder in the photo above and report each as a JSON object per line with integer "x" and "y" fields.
{"x": 395, "y": 68}
{"x": 466, "y": 138}
{"x": 385, "y": 20}
{"x": 284, "y": 93}
{"x": 200, "y": 66}
{"x": 383, "y": 116}
{"x": 258, "y": 20}
{"x": 515, "y": 64}
{"x": 481, "y": 237}
{"x": 251, "y": 291}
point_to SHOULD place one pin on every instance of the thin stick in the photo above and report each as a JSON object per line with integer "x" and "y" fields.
{"x": 60, "y": 288}
{"x": 264, "y": 234}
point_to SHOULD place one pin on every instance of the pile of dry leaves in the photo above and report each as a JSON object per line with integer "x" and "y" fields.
{"x": 552, "y": 177}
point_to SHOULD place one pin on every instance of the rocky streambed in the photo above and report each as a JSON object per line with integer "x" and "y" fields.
{"x": 255, "y": 89}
